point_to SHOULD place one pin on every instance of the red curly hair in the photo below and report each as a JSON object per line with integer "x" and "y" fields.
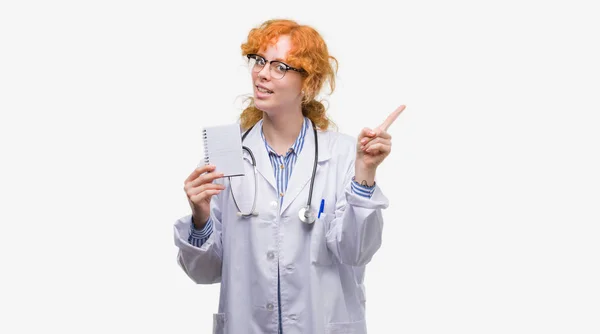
{"x": 308, "y": 52}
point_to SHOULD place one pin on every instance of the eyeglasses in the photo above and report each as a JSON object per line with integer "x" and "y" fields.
{"x": 276, "y": 68}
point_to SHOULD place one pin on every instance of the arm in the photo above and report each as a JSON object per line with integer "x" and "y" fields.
{"x": 201, "y": 261}
{"x": 354, "y": 234}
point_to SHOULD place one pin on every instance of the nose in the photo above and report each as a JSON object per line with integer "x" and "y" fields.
{"x": 264, "y": 72}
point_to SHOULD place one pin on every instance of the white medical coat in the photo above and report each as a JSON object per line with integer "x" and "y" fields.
{"x": 321, "y": 265}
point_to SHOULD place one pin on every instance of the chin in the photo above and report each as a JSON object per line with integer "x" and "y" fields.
{"x": 263, "y": 105}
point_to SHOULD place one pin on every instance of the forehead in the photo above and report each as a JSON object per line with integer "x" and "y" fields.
{"x": 279, "y": 49}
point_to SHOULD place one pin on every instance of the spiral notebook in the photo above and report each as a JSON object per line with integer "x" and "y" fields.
{"x": 223, "y": 148}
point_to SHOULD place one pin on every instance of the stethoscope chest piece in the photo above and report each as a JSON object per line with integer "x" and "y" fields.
{"x": 306, "y": 215}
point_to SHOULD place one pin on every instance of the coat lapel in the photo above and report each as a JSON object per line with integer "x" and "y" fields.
{"x": 263, "y": 164}
{"x": 303, "y": 168}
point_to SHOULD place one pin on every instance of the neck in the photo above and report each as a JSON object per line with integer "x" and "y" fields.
{"x": 281, "y": 131}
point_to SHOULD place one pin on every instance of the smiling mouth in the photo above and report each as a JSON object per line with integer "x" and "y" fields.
{"x": 262, "y": 90}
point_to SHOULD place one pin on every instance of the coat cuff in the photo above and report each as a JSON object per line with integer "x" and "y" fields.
{"x": 377, "y": 200}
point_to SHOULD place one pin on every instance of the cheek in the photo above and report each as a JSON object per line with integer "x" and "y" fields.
{"x": 290, "y": 92}
{"x": 293, "y": 87}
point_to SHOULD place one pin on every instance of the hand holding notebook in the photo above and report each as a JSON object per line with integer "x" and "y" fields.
{"x": 223, "y": 149}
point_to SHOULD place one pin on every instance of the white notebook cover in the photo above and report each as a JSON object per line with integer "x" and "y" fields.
{"x": 223, "y": 148}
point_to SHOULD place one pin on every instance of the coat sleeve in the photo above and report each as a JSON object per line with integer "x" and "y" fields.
{"x": 202, "y": 264}
{"x": 354, "y": 235}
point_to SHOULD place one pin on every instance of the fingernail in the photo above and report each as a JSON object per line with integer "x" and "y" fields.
{"x": 371, "y": 133}
{"x": 364, "y": 140}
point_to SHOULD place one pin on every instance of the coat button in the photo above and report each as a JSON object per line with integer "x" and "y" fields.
{"x": 290, "y": 267}
{"x": 293, "y": 317}
{"x": 270, "y": 255}
{"x": 270, "y": 307}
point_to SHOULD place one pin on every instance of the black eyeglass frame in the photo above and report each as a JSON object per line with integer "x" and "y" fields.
{"x": 269, "y": 62}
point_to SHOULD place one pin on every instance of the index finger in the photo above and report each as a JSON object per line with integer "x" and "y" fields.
{"x": 391, "y": 118}
{"x": 198, "y": 171}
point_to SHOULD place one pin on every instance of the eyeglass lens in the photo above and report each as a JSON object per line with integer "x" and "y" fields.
{"x": 277, "y": 68}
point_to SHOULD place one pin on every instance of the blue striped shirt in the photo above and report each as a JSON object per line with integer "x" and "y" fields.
{"x": 282, "y": 167}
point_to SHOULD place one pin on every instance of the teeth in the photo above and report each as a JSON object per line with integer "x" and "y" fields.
{"x": 262, "y": 90}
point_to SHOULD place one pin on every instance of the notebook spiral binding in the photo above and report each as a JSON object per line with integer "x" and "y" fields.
{"x": 205, "y": 140}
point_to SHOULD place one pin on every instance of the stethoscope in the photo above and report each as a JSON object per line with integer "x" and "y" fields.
{"x": 305, "y": 214}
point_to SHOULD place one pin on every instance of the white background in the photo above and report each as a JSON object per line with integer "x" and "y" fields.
{"x": 493, "y": 179}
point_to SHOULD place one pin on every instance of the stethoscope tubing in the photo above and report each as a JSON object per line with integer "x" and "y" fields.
{"x": 312, "y": 181}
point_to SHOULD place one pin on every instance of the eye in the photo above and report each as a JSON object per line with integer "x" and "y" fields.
{"x": 260, "y": 61}
{"x": 281, "y": 68}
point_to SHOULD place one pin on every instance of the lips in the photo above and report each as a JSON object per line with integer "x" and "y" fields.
{"x": 263, "y": 89}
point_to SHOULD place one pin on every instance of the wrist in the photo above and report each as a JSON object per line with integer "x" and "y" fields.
{"x": 364, "y": 176}
{"x": 198, "y": 222}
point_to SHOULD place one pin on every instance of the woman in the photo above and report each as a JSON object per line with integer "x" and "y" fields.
{"x": 279, "y": 274}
